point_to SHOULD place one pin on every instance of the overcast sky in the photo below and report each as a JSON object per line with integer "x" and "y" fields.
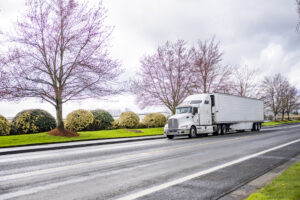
{"x": 259, "y": 33}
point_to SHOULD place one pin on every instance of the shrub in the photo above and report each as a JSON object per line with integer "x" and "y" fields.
{"x": 142, "y": 125}
{"x": 102, "y": 120}
{"x": 79, "y": 120}
{"x": 4, "y": 126}
{"x": 129, "y": 120}
{"x": 115, "y": 124}
{"x": 154, "y": 120}
{"x": 32, "y": 121}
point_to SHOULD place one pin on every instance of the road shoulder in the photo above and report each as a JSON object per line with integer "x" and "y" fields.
{"x": 256, "y": 184}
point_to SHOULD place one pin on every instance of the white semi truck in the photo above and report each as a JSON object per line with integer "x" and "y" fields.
{"x": 216, "y": 113}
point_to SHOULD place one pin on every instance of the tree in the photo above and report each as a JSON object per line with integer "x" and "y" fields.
{"x": 272, "y": 92}
{"x": 163, "y": 78}
{"x": 285, "y": 86}
{"x": 59, "y": 53}
{"x": 244, "y": 81}
{"x": 208, "y": 75}
{"x": 293, "y": 103}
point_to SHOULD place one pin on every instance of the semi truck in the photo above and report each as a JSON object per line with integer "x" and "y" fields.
{"x": 216, "y": 113}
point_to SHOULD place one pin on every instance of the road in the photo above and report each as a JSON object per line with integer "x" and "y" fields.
{"x": 197, "y": 168}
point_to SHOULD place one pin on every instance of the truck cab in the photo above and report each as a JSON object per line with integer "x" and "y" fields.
{"x": 192, "y": 117}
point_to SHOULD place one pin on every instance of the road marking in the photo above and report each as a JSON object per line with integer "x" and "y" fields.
{"x": 201, "y": 173}
{"x": 99, "y": 162}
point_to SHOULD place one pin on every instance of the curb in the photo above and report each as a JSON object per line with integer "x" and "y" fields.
{"x": 64, "y": 146}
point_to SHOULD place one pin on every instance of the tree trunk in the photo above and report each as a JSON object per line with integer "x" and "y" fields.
{"x": 288, "y": 114}
{"x": 173, "y": 111}
{"x": 59, "y": 118}
{"x": 282, "y": 116}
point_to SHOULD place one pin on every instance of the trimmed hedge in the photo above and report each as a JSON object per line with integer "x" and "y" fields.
{"x": 102, "y": 120}
{"x": 79, "y": 120}
{"x": 129, "y": 120}
{"x": 115, "y": 124}
{"x": 32, "y": 121}
{"x": 4, "y": 126}
{"x": 154, "y": 120}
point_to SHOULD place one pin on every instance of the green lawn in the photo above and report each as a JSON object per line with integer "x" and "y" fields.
{"x": 284, "y": 187}
{"x": 278, "y": 122}
{"x": 40, "y": 138}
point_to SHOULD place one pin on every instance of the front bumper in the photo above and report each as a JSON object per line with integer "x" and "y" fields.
{"x": 177, "y": 132}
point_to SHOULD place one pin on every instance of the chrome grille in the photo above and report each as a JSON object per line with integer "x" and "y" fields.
{"x": 172, "y": 124}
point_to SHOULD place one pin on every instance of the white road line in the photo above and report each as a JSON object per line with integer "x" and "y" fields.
{"x": 201, "y": 173}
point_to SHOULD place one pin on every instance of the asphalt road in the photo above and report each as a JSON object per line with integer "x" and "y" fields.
{"x": 198, "y": 168}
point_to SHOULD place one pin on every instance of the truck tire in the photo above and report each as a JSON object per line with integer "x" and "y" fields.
{"x": 170, "y": 137}
{"x": 258, "y": 126}
{"x": 253, "y": 127}
{"x": 223, "y": 128}
{"x": 193, "y": 132}
{"x": 219, "y": 130}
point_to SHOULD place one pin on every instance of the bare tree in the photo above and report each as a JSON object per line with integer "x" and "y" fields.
{"x": 244, "y": 82}
{"x": 163, "y": 78}
{"x": 272, "y": 92}
{"x": 59, "y": 53}
{"x": 208, "y": 74}
{"x": 292, "y": 100}
{"x": 285, "y": 86}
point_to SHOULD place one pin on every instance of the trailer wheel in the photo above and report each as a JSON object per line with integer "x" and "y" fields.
{"x": 193, "y": 132}
{"x": 170, "y": 137}
{"x": 258, "y": 126}
{"x": 253, "y": 127}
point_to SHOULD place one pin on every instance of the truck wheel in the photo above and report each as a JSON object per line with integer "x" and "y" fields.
{"x": 254, "y": 127}
{"x": 170, "y": 136}
{"x": 258, "y": 126}
{"x": 193, "y": 132}
{"x": 223, "y": 130}
{"x": 219, "y": 130}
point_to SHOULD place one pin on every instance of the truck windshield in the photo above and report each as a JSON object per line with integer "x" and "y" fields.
{"x": 183, "y": 110}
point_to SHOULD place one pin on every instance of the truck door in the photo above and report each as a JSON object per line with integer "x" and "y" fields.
{"x": 196, "y": 114}
{"x": 205, "y": 113}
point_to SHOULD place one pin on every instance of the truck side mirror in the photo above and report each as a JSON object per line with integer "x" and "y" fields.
{"x": 195, "y": 110}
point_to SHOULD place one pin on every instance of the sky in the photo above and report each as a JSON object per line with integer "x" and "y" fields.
{"x": 260, "y": 34}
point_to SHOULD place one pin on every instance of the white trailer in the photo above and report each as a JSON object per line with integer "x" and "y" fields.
{"x": 215, "y": 113}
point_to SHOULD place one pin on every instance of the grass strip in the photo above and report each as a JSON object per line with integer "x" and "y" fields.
{"x": 40, "y": 138}
{"x": 284, "y": 187}
{"x": 278, "y": 122}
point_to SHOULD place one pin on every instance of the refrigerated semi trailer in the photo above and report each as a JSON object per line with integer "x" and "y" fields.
{"x": 216, "y": 113}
